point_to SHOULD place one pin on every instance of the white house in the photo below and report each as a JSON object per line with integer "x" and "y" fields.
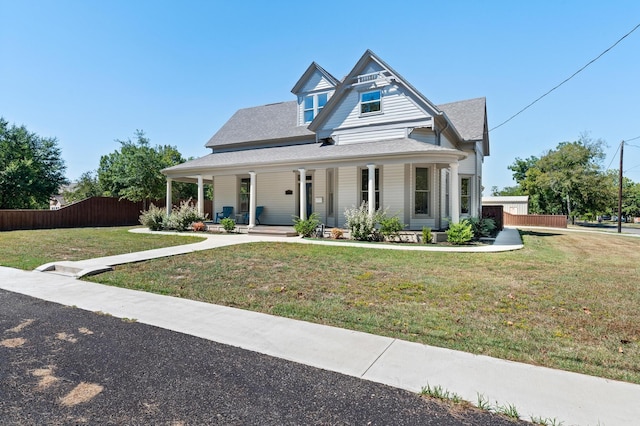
{"x": 369, "y": 136}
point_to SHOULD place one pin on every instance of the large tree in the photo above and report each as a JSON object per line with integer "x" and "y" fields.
{"x": 87, "y": 186}
{"x": 133, "y": 172}
{"x": 568, "y": 180}
{"x": 31, "y": 168}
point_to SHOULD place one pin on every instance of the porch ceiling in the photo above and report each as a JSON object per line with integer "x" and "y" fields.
{"x": 315, "y": 155}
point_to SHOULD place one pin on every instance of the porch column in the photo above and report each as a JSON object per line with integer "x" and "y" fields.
{"x": 303, "y": 194}
{"x": 200, "y": 195}
{"x": 372, "y": 188}
{"x": 168, "y": 196}
{"x": 454, "y": 193}
{"x": 252, "y": 200}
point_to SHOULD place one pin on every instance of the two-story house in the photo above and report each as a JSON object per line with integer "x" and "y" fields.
{"x": 371, "y": 136}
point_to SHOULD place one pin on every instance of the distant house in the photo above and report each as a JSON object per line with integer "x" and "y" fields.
{"x": 370, "y": 137}
{"x": 510, "y": 204}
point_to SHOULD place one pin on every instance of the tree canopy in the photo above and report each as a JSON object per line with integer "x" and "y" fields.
{"x": 31, "y": 168}
{"x": 133, "y": 172}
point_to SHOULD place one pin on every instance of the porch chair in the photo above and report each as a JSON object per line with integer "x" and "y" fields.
{"x": 226, "y": 212}
{"x": 259, "y": 210}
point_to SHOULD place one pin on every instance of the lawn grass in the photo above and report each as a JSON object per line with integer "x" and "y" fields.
{"x": 30, "y": 249}
{"x": 567, "y": 300}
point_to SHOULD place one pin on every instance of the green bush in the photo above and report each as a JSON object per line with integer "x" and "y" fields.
{"x": 228, "y": 224}
{"x": 308, "y": 226}
{"x": 460, "y": 233}
{"x": 482, "y": 227}
{"x": 154, "y": 218}
{"x": 361, "y": 226}
{"x": 427, "y": 236}
{"x": 390, "y": 227}
{"x": 183, "y": 216}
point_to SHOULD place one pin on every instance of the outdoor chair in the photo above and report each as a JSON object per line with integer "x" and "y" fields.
{"x": 226, "y": 212}
{"x": 259, "y": 210}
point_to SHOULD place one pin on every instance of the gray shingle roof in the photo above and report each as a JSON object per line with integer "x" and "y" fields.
{"x": 467, "y": 117}
{"x": 314, "y": 152}
{"x": 262, "y": 123}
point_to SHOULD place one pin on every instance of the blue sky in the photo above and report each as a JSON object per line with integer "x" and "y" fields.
{"x": 90, "y": 72}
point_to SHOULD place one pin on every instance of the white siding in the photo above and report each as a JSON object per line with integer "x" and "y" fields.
{"x": 424, "y": 135}
{"x": 376, "y": 135}
{"x": 347, "y": 196}
{"x": 393, "y": 185}
{"x": 225, "y": 190}
{"x": 468, "y": 165}
{"x": 315, "y": 83}
{"x": 446, "y": 142}
{"x": 320, "y": 190}
{"x": 279, "y": 207}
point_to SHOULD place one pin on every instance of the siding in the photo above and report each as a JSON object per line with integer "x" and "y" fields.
{"x": 468, "y": 165}
{"x": 279, "y": 207}
{"x": 424, "y": 135}
{"x": 316, "y": 82}
{"x": 446, "y": 142}
{"x": 347, "y": 196}
{"x": 225, "y": 190}
{"x": 393, "y": 185}
{"x": 320, "y": 190}
{"x": 376, "y": 135}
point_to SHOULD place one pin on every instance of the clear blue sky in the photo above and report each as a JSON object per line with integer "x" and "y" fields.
{"x": 90, "y": 72}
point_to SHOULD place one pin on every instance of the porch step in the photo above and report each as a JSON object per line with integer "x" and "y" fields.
{"x": 274, "y": 231}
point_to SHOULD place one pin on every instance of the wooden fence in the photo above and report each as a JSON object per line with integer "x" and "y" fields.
{"x": 95, "y": 211}
{"x": 552, "y": 221}
{"x": 495, "y": 213}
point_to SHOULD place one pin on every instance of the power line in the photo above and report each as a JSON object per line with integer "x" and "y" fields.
{"x": 632, "y": 139}
{"x": 614, "y": 156}
{"x": 567, "y": 79}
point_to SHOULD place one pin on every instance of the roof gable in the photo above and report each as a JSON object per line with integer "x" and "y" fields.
{"x": 470, "y": 119}
{"x": 314, "y": 70}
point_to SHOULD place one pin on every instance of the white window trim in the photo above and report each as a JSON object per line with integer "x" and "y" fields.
{"x": 316, "y": 109}
{"x": 428, "y": 191}
{"x": 367, "y": 114}
{"x": 469, "y": 195}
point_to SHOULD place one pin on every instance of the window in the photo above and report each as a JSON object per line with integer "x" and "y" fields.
{"x": 465, "y": 195}
{"x": 422, "y": 191}
{"x": 330, "y": 192}
{"x": 370, "y": 102}
{"x": 313, "y": 104}
{"x": 365, "y": 187}
{"x": 245, "y": 188}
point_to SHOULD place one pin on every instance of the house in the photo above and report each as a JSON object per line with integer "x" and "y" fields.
{"x": 511, "y": 204}
{"x": 338, "y": 143}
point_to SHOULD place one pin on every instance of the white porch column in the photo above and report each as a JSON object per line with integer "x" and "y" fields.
{"x": 454, "y": 193}
{"x": 372, "y": 188}
{"x": 252, "y": 200}
{"x": 303, "y": 194}
{"x": 200, "y": 195}
{"x": 168, "y": 196}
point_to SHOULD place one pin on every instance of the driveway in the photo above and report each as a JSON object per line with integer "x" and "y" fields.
{"x": 63, "y": 365}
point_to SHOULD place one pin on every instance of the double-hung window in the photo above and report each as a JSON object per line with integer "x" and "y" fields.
{"x": 422, "y": 191}
{"x": 313, "y": 104}
{"x": 465, "y": 195}
{"x": 370, "y": 102}
{"x": 364, "y": 174}
{"x": 245, "y": 193}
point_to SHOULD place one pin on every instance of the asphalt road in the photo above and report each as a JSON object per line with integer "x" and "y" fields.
{"x": 63, "y": 365}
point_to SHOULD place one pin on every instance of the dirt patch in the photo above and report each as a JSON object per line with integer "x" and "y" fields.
{"x": 13, "y": 343}
{"x": 85, "y": 331}
{"x": 84, "y": 392}
{"x": 46, "y": 377}
{"x": 18, "y": 328}
{"x": 66, "y": 337}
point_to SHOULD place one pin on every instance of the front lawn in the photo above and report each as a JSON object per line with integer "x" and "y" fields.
{"x": 30, "y": 249}
{"x": 567, "y": 300}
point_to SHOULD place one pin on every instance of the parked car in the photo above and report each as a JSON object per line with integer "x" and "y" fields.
{"x": 606, "y": 217}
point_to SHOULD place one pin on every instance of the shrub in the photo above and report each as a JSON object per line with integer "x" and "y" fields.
{"x": 360, "y": 224}
{"x": 228, "y": 224}
{"x": 390, "y": 227}
{"x": 460, "y": 233}
{"x": 154, "y": 218}
{"x": 482, "y": 227}
{"x": 336, "y": 233}
{"x": 308, "y": 226}
{"x": 199, "y": 227}
{"x": 427, "y": 237}
{"x": 183, "y": 216}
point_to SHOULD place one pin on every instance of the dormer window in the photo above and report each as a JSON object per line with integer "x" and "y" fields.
{"x": 313, "y": 104}
{"x": 370, "y": 102}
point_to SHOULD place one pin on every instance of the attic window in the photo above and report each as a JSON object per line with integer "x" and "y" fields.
{"x": 313, "y": 104}
{"x": 370, "y": 102}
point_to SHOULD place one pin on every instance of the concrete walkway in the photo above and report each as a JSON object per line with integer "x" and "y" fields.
{"x": 535, "y": 391}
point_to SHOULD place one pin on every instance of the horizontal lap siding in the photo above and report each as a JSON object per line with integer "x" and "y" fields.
{"x": 424, "y": 135}
{"x": 345, "y": 139}
{"x": 225, "y": 190}
{"x": 279, "y": 207}
{"x": 347, "y": 196}
{"x": 320, "y": 190}
{"x": 393, "y": 189}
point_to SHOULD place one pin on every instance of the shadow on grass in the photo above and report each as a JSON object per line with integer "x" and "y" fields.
{"x": 539, "y": 234}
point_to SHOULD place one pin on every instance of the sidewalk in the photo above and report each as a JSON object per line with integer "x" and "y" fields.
{"x": 535, "y": 391}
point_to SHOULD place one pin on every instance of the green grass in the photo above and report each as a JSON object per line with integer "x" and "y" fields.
{"x": 568, "y": 300}
{"x": 30, "y": 249}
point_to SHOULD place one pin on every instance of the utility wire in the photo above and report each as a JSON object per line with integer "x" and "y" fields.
{"x": 567, "y": 79}
{"x": 614, "y": 156}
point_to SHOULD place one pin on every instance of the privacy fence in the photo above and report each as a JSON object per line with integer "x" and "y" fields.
{"x": 551, "y": 221}
{"x": 95, "y": 211}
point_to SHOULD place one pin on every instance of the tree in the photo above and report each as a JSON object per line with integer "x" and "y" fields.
{"x": 569, "y": 180}
{"x": 133, "y": 172}
{"x": 86, "y": 187}
{"x": 31, "y": 168}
